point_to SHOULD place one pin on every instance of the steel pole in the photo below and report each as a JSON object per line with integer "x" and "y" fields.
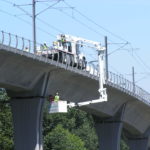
{"x": 34, "y": 25}
{"x": 106, "y": 57}
{"x": 133, "y": 79}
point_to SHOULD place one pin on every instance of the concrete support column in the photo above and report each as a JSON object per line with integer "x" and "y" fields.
{"x": 109, "y": 134}
{"x": 109, "y": 130}
{"x": 138, "y": 143}
{"x": 27, "y": 119}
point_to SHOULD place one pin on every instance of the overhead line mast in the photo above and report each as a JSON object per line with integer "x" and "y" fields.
{"x": 34, "y": 24}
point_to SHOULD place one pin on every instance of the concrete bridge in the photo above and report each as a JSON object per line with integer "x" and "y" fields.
{"x": 29, "y": 79}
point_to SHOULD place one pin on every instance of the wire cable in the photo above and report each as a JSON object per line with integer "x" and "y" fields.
{"x": 139, "y": 60}
{"x": 42, "y": 21}
{"x": 118, "y": 49}
{"x": 92, "y": 21}
{"x": 146, "y": 66}
{"x": 83, "y": 24}
{"x": 145, "y": 77}
{"x": 48, "y": 7}
{"x": 27, "y": 22}
{"x": 49, "y": 25}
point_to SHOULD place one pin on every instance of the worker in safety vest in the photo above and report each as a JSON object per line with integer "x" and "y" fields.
{"x": 45, "y": 47}
{"x": 56, "y": 98}
{"x": 63, "y": 41}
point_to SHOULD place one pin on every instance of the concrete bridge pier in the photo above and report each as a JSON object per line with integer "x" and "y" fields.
{"x": 109, "y": 131}
{"x": 139, "y": 142}
{"x": 27, "y": 119}
{"x": 27, "y": 114}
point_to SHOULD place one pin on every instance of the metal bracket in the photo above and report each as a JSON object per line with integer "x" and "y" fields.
{"x": 103, "y": 94}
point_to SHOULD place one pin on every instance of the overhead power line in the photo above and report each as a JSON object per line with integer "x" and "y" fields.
{"x": 118, "y": 49}
{"x": 139, "y": 60}
{"x": 82, "y": 23}
{"x": 48, "y": 7}
{"x": 42, "y": 21}
{"x": 27, "y": 22}
{"x": 75, "y": 19}
{"x": 49, "y": 25}
{"x": 142, "y": 78}
{"x": 92, "y": 21}
{"x": 18, "y": 6}
{"x": 142, "y": 61}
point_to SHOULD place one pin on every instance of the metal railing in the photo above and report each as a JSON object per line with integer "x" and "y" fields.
{"x": 15, "y": 41}
{"x": 128, "y": 86}
{"x": 68, "y": 60}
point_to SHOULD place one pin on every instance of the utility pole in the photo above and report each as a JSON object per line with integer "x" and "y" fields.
{"x": 34, "y": 25}
{"x": 106, "y": 57}
{"x": 133, "y": 79}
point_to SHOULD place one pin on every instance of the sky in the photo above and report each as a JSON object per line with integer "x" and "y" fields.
{"x": 125, "y": 23}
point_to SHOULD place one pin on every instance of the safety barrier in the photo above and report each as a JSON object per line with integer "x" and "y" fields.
{"x": 128, "y": 86}
{"x": 16, "y": 41}
{"x": 68, "y": 60}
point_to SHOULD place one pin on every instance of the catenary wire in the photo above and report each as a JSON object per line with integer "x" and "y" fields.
{"x": 48, "y": 8}
{"x": 27, "y": 22}
{"x": 139, "y": 59}
{"x": 92, "y": 21}
{"x": 146, "y": 66}
{"x": 118, "y": 49}
{"x": 42, "y": 21}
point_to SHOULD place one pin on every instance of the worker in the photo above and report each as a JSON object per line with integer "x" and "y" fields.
{"x": 45, "y": 47}
{"x": 55, "y": 44}
{"x": 51, "y": 98}
{"x": 63, "y": 41}
{"x": 26, "y": 49}
{"x": 56, "y": 98}
{"x": 84, "y": 62}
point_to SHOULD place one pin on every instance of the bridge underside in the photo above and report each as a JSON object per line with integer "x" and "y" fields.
{"x": 22, "y": 75}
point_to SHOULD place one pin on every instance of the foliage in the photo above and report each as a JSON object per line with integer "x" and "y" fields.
{"x": 61, "y": 139}
{"x": 124, "y": 145}
{"x": 77, "y": 122}
{"x": 6, "y": 131}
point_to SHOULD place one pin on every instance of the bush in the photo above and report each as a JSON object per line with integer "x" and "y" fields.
{"x": 61, "y": 139}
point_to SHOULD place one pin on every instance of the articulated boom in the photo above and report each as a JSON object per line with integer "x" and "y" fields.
{"x": 80, "y": 41}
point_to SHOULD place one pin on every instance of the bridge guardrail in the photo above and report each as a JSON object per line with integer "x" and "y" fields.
{"x": 127, "y": 85}
{"x": 67, "y": 59}
{"x": 16, "y": 41}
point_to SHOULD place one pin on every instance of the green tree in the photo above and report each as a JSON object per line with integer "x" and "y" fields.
{"x": 84, "y": 128}
{"x": 6, "y": 130}
{"x": 61, "y": 139}
{"x": 77, "y": 122}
